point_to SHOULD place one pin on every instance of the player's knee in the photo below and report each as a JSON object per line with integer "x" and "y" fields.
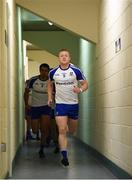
{"x": 62, "y": 130}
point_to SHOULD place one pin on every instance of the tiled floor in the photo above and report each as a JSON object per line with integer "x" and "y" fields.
{"x": 82, "y": 164}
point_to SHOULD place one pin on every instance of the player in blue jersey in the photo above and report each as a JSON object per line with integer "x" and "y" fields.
{"x": 40, "y": 111}
{"x": 69, "y": 82}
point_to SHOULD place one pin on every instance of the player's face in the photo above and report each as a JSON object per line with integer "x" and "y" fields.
{"x": 64, "y": 57}
{"x": 44, "y": 72}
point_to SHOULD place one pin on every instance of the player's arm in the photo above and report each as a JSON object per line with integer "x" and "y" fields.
{"x": 50, "y": 92}
{"x": 83, "y": 85}
{"x": 26, "y": 97}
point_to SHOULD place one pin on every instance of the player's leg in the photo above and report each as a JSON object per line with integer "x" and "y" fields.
{"x": 61, "y": 121}
{"x": 73, "y": 118}
{"x": 62, "y": 127}
{"x": 54, "y": 132}
{"x": 35, "y": 116}
{"x": 73, "y": 123}
{"x": 44, "y": 128}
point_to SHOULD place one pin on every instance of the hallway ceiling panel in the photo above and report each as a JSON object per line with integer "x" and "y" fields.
{"x": 69, "y": 15}
{"x": 32, "y": 22}
{"x": 43, "y": 36}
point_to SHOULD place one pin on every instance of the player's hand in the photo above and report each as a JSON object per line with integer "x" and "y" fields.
{"x": 50, "y": 102}
{"x": 76, "y": 89}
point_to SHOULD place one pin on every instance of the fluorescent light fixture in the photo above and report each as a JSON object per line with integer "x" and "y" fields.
{"x": 50, "y": 23}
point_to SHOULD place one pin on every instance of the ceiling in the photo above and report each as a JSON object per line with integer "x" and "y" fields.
{"x": 42, "y": 36}
{"x": 32, "y": 22}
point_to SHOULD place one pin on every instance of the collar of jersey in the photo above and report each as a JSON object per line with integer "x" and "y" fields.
{"x": 64, "y": 69}
{"x": 42, "y": 79}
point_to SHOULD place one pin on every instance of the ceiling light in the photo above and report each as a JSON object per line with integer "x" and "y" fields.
{"x": 50, "y": 23}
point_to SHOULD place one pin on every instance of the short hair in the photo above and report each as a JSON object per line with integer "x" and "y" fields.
{"x": 45, "y": 66}
{"x": 64, "y": 49}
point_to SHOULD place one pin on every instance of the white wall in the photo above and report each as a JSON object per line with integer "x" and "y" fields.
{"x": 113, "y": 84}
{"x": 8, "y": 83}
{"x": 3, "y": 92}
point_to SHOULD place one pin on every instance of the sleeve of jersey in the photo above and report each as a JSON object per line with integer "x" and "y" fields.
{"x": 80, "y": 75}
{"x": 51, "y": 75}
{"x": 31, "y": 81}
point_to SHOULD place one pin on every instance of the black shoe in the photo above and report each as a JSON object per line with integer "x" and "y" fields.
{"x": 65, "y": 162}
{"x": 56, "y": 150}
{"x": 41, "y": 153}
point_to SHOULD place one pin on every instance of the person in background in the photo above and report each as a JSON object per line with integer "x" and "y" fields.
{"x": 69, "y": 82}
{"x": 28, "y": 113}
{"x": 40, "y": 111}
{"x": 53, "y": 126}
{"x": 53, "y": 135}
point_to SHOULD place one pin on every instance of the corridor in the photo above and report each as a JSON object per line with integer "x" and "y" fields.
{"x": 83, "y": 165}
{"x": 98, "y": 35}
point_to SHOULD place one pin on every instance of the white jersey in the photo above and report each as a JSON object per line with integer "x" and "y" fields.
{"x": 39, "y": 93}
{"x": 65, "y": 80}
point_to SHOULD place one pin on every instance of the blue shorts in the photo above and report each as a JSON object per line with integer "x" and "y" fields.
{"x": 52, "y": 114}
{"x": 37, "y": 112}
{"x": 27, "y": 112}
{"x": 70, "y": 110}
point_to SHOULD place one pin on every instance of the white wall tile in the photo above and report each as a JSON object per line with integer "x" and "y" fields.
{"x": 114, "y": 84}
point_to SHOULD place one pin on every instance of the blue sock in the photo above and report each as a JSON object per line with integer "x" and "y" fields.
{"x": 64, "y": 154}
